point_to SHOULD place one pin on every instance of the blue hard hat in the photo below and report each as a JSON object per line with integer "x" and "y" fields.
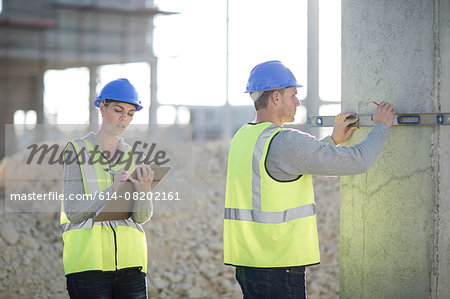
{"x": 270, "y": 75}
{"x": 119, "y": 90}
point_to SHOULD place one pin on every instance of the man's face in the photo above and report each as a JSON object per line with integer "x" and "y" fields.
{"x": 289, "y": 105}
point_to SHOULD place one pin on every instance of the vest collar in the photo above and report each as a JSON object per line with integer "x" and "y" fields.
{"x": 264, "y": 122}
{"x": 92, "y": 138}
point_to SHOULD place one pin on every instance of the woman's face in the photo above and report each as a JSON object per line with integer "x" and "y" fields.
{"x": 116, "y": 116}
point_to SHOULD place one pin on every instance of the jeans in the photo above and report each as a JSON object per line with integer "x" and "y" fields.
{"x": 272, "y": 283}
{"x": 125, "y": 283}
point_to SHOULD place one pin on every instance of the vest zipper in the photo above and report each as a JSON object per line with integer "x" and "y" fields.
{"x": 114, "y": 232}
{"x": 115, "y": 245}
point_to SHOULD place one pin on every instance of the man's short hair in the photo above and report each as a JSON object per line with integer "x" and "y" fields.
{"x": 263, "y": 100}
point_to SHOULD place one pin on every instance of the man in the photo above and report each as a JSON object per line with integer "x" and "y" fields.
{"x": 270, "y": 230}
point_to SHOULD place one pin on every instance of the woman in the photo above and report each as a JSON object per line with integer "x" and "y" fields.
{"x": 105, "y": 259}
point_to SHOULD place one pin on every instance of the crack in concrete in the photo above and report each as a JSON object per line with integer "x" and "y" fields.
{"x": 392, "y": 179}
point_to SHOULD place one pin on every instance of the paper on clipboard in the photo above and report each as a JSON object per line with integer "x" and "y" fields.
{"x": 121, "y": 208}
{"x": 159, "y": 173}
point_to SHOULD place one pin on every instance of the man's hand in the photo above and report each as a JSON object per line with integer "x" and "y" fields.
{"x": 385, "y": 114}
{"x": 341, "y": 129}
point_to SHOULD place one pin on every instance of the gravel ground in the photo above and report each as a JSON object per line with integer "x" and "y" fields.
{"x": 184, "y": 237}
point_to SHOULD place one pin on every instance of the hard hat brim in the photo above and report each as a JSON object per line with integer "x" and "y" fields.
{"x": 275, "y": 88}
{"x": 98, "y": 101}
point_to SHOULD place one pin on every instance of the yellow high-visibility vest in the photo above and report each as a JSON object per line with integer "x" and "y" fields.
{"x": 268, "y": 223}
{"x": 106, "y": 245}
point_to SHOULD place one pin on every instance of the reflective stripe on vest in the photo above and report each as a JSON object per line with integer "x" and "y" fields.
{"x": 89, "y": 172}
{"x": 90, "y": 223}
{"x": 269, "y": 217}
{"x": 256, "y": 215}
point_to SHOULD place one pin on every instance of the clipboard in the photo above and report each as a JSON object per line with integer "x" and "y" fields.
{"x": 121, "y": 208}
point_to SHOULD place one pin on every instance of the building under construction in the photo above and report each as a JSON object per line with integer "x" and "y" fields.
{"x": 56, "y": 34}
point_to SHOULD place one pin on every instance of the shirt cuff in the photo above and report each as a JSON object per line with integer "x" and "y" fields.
{"x": 328, "y": 140}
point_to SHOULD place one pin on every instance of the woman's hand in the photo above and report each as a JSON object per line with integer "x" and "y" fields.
{"x": 144, "y": 174}
{"x": 120, "y": 177}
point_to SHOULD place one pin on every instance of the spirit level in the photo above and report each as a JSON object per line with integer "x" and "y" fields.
{"x": 421, "y": 119}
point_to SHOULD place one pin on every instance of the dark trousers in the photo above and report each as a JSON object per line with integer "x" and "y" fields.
{"x": 272, "y": 283}
{"x": 125, "y": 283}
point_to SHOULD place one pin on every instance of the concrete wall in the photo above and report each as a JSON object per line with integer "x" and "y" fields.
{"x": 394, "y": 218}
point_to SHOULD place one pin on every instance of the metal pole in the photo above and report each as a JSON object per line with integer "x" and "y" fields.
{"x": 153, "y": 89}
{"x": 227, "y": 121}
{"x": 312, "y": 102}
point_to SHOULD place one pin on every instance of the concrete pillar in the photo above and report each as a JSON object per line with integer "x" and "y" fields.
{"x": 395, "y": 224}
{"x": 93, "y": 111}
{"x": 153, "y": 89}
{"x": 38, "y": 104}
{"x": 6, "y": 113}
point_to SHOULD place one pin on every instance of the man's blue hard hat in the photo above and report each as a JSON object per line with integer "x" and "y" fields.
{"x": 119, "y": 90}
{"x": 270, "y": 75}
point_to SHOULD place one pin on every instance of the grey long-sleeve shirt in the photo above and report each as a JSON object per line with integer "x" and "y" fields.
{"x": 293, "y": 153}
{"x": 81, "y": 210}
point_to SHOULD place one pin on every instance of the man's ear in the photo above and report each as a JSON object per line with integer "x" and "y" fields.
{"x": 275, "y": 97}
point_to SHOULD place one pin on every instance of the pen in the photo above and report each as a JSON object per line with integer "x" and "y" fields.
{"x": 110, "y": 171}
{"x": 375, "y": 103}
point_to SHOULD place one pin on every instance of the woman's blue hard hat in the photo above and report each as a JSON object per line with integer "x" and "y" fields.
{"x": 120, "y": 90}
